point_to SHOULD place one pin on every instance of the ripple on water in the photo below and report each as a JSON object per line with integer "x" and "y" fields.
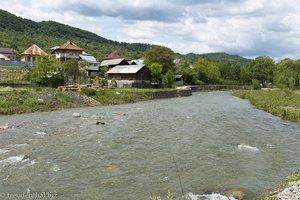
{"x": 11, "y": 160}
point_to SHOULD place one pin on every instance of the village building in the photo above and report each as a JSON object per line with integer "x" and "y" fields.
{"x": 139, "y": 61}
{"x": 32, "y": 53}
{"x": 129, "y": 76}
{"x": 8, "y": 54}
{"x": 113, "y": 62}
{"x": 114, "y": 55}
{"x": 91, "y": 65}
{"x": 67, "y": 51}
{"x": 178, "y": 78}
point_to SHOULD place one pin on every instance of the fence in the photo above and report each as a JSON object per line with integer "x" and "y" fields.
{"x": 15, "y": 63}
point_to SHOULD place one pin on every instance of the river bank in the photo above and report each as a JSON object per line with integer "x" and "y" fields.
{"x": 282, "y": 103}
{"x": 27, "y": 100}
{"x": 289, "y": 190}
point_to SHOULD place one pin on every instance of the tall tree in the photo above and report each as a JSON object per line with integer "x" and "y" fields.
{"x": 160, "y": 55}
{"x": 261, "y": 69}
{"x": 156, "y": 72}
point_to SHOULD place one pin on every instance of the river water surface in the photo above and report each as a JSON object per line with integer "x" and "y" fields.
{"x": 217, "y": 141}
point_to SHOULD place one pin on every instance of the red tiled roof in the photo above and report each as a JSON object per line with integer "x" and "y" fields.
{"x": 141, "y": 58}
{"x": 114, "y": 55}
{"x": 70, "y": 46}
{"x": 8, "y": 51}
{"x": 34, "y": 50}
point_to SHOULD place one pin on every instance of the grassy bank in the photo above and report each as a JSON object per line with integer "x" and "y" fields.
{"x": 118, "y": 96}
{"x": 9, "y": 74}
{"x": 282, "y": 103}
{"x": 16, "y": 101}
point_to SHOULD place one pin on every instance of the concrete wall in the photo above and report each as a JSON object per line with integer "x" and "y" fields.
{"x": 216, "y": 87}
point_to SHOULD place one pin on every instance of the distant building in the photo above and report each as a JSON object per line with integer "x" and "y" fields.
{"x": 67, "y": 51}
{"x": 8, "y": 54}
{"x": 130, "y": 76}
{"x": 139, "y": 61}
{"x": 178, "y": 80}
{"x": 114, "y": 55}
{"x": 114, "y": 62}
{"x": 91, "y": 64}
{"x": 30, "y": 54}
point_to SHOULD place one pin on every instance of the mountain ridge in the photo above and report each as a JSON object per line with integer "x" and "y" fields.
{"x": 20, "y": 33}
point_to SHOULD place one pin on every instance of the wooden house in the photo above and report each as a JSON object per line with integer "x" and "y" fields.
{"x": 113, "y": 62}
{"x": 67, "y": 51}
{"x": 114, "y": 55}
{"x": 8, "y": 54}
{"x": 91, "y": 65}
{"x": 30, "y": 54}
{"x": 130, "y": 76}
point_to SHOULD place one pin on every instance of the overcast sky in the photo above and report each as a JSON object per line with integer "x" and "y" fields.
{"x": 246, "y": 27}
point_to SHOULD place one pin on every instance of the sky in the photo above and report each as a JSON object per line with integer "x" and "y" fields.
{"x": 249, "y": 28}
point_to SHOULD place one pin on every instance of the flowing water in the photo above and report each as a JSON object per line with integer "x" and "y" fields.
{"x": 217, "y": 141}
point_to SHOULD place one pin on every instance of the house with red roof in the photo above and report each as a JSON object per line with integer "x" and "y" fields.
{"x": 30, "y": 54}
{"x": 114, "y": 55}
{"x": 67, "y": 51}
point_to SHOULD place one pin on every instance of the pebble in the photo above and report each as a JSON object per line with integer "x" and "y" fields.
{"x": 76, "y": 115}
{"x": 291, "y": 192}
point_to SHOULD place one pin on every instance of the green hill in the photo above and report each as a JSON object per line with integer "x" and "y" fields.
{"x": 217, "y": 57}
{"x": 20, "y": 33}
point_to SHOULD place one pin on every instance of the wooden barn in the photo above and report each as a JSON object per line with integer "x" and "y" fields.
{"x": 130, "y": 76}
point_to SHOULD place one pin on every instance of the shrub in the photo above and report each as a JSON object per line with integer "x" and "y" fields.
{"x": 88, "y": 91}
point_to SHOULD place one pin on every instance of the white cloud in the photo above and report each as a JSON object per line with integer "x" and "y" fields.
{"x": 246, "y": 27}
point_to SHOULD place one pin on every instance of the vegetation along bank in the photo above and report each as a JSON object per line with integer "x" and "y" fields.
{"x": 284, "y": 103}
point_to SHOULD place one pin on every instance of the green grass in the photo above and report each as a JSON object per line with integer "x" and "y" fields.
{"x": 26, "y": 100}
{"x": 12, "y": 75}
{"x": 282, "y": 103}
{"x": 118, "y": 96}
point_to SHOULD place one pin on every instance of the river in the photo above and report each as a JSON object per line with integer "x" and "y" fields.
{"x": 216, "y": 140}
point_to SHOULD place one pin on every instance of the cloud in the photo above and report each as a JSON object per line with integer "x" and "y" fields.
{"x": 246, "y": 27}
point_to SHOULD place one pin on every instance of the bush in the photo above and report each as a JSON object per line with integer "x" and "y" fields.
{"x": 88, "y": 91}
{"x": 256, "y": 84}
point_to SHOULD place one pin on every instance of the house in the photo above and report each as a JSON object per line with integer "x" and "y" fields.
{"x": 8, "y": 54}
{"x": 114, "y": 55}
{"x": 114, "y": 62}
{"x": 67, "y": 51}
{"x": 30, "y": 54}
{"x": 129, "y": 76}
{"x": 91, "y": 64}
{"x": 139, "y": 61}
{"x": 178, "y": 79}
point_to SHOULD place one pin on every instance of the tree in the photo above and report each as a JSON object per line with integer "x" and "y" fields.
{"x": 160, "y": 55}
{"x": 168, "y": 79}
{"x": 287, "y": 74}
{"x": 207, "y": 71}
{"x": 47, "y": 72}
{"x": 230, "y": 71}
{"x": 156, "y": 72}
{"x": 72, "y": 69}
{"x": 261, "y": 69}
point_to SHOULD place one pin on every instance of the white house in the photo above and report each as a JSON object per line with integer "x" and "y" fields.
{"x": 8, "y": 54}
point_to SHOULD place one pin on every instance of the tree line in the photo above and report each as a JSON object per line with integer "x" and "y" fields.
{"x": 260, "y": 72}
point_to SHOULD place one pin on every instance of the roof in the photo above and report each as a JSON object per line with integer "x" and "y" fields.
{"x": 70, "y": 46}
{"x": 34, "y": 50}
{"x": 8, "y": 51}
{"x": 141, "y": 58}
{"x": 177, "y": 76}
{"x": 125, "y": 69}
{"x": 89, "y": 58}
{"x": 114, "y": 55}
{"x": 112, "y": 62}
